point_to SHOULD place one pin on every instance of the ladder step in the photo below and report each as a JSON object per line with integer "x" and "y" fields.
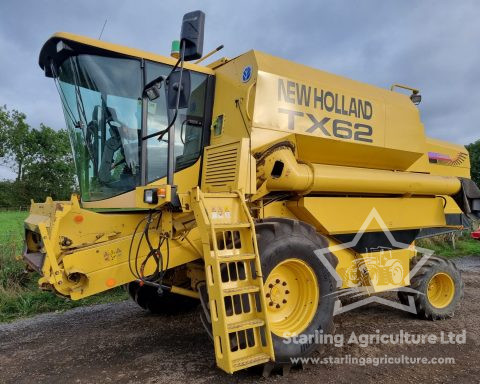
{"x": 236, "y": 257}
{"x": 250, "y": 361}
{"x": 241, "y": 289}
{"x": 246, "y": 324}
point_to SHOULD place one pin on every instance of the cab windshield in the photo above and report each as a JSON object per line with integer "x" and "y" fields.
{"x": 104, "y": 109}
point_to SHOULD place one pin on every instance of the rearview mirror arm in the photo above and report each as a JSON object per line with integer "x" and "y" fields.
{"x": 171, "y": 127}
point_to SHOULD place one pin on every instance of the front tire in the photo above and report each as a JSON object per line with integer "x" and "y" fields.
{"x": 298, "y": 286}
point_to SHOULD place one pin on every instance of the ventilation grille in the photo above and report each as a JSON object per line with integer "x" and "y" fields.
{"x": 221, "y": 167}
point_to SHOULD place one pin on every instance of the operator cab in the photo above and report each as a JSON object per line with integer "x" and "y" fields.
{"x": 108, "y": 115}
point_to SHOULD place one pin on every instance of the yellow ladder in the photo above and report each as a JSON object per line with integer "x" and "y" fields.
{"x": 241, "y": 333}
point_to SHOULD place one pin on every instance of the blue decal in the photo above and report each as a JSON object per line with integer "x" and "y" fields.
{"x": 247, "y": 73}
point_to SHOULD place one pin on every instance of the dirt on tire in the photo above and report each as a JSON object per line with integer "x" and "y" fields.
{"x": 121, "y": 343}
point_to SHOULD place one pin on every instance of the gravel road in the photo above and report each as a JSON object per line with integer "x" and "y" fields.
{"x": 120, "y": 343}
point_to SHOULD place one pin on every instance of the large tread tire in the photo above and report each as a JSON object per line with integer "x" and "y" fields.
{"x": 419, "y": 282}
{"x": 147, "y": 297}
{"x": 280, "y": 239}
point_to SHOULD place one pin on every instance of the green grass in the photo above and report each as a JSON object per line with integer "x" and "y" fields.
{"x": 12, "y": 221}
{"x": 31, "y": 301}
{"x": 442, "y": 245}
{"x": 19, "y": 292}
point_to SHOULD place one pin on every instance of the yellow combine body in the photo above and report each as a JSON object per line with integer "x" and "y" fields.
{"x": 270, "y": 162}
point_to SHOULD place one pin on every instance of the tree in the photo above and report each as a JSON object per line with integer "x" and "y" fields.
{"x": 51, "y": 169}
{"x": 3, "y": 133}
{"x": 474, "y": 151}
{"x": 16, "y": 140}
{"x": 41, "y": 158}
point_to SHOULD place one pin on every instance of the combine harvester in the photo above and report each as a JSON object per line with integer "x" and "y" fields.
{"x": 215, "y": 185}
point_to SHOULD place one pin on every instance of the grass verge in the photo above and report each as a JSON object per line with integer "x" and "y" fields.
{"x": 443, "y": 245}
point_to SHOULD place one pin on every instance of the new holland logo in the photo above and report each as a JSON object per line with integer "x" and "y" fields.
{"x": 247, "y": 73}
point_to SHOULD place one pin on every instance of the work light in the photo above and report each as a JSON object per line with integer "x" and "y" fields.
{"x": 150, "y": 196}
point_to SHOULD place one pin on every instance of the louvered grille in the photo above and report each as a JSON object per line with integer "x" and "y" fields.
{"x": 220, "y": 167}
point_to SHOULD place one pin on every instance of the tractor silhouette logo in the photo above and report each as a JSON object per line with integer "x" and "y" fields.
{"x": 379, "y": 268}
{"x": 376, "y": 270}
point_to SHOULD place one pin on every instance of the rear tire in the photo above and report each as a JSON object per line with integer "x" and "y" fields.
{"x": 287, "y": 256}
{"x": 147, "y": 297}
{"x": 439, "y": 288}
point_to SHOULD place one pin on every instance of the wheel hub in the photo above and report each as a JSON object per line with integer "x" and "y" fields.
{"x": 277, "y": 295}
{"x": 440, "y": 290}
{"x": 291, "y": 293}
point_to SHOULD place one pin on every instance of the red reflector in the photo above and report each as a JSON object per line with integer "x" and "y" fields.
{"x": 78, "y": 218}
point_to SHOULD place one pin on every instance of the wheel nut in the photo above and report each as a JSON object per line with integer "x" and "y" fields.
{"x": 270, "y": 303}
{"x": 284, "y": 301}
{"x": 284, "y": 283}
{"x": 270, "y": 285}
{"x": 287, "y": 292}
{"x": 278, "y": 305}
{"x": 277, "y": 281}
{"x": 268, "y": 295}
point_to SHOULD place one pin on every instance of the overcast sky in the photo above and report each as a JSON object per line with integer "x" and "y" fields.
{"x": 430, "y": 45}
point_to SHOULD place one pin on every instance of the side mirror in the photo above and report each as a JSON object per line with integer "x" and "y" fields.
{"x": 174, "y": 87}
{"x": 192, "y": 35}
{"x": 152, "y": 89}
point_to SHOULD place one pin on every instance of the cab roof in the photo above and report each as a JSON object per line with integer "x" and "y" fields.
{"x": 82, "y": 44}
